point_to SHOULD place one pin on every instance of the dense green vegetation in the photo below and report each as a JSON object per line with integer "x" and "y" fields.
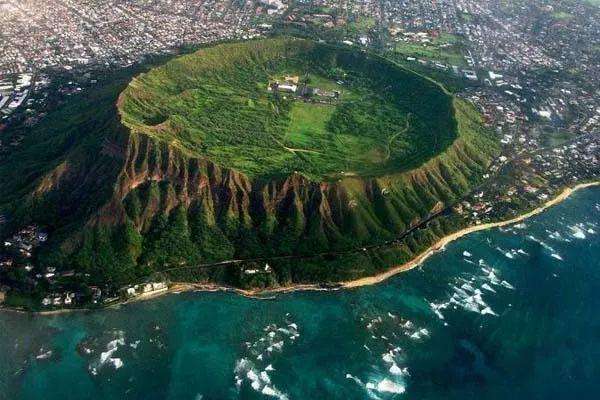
{"x": 215, "y": 103}
{"x": 202, "y": 170}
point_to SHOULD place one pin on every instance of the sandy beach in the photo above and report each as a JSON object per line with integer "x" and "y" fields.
{"x": 371, "y": 280}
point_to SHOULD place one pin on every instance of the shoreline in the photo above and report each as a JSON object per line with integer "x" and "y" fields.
{"x": 371, "y": 280}
{"x": 439, "y": 245}
{"x": 179, "y": 287}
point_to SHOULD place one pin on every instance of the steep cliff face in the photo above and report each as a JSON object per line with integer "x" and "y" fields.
{"x": 291, "y": 215}
{"x": 117, "y": 205}
{"x": 122, "y": 203}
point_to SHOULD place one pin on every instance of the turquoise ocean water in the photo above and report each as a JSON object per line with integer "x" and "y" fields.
{"x": 510, "y": 313}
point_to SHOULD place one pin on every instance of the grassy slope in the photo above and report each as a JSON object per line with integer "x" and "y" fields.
{"x": 65, "y": 151}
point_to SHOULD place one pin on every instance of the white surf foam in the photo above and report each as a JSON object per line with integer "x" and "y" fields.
{"x": 488, "y": 288}
{"x": 44, "y": 355}
{"x": 388, "y": 386}
{"x": 577, "y": 232}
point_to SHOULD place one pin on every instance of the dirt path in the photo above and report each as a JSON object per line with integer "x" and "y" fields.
{"x": 391, "y": 140}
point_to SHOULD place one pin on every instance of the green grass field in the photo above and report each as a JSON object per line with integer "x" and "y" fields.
{"x": 308, "y": 125}
{"x": 446, "y": 48}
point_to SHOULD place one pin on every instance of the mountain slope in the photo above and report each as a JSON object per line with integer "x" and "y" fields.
{"x": 123, "y": 201}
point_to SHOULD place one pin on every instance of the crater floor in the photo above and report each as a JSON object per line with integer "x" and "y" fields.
{"x": 277, "y": 106}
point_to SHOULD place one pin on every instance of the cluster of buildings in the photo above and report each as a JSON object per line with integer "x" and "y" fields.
{"x": 13, "y": 92}
{"x": 59, "y": 299}
{"x": 144, "y": 289}
{"x": 16, "y": 259}
{"x": 69, "y": 33}
{"x": 531, "y": 44}
{"x": 420, "y": 15}
{"x": 532, "y": 179}
{"x": 18, "y": 249}
{"x": 66, "y": 298}
{"x": 253, "y": 271}
{"x": 271, "y": 7}
{"x": 17, "y": 99}
{"x": 302, "y": 90}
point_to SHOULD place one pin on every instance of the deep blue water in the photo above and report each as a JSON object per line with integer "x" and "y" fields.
{"x": 512, "y": 313}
